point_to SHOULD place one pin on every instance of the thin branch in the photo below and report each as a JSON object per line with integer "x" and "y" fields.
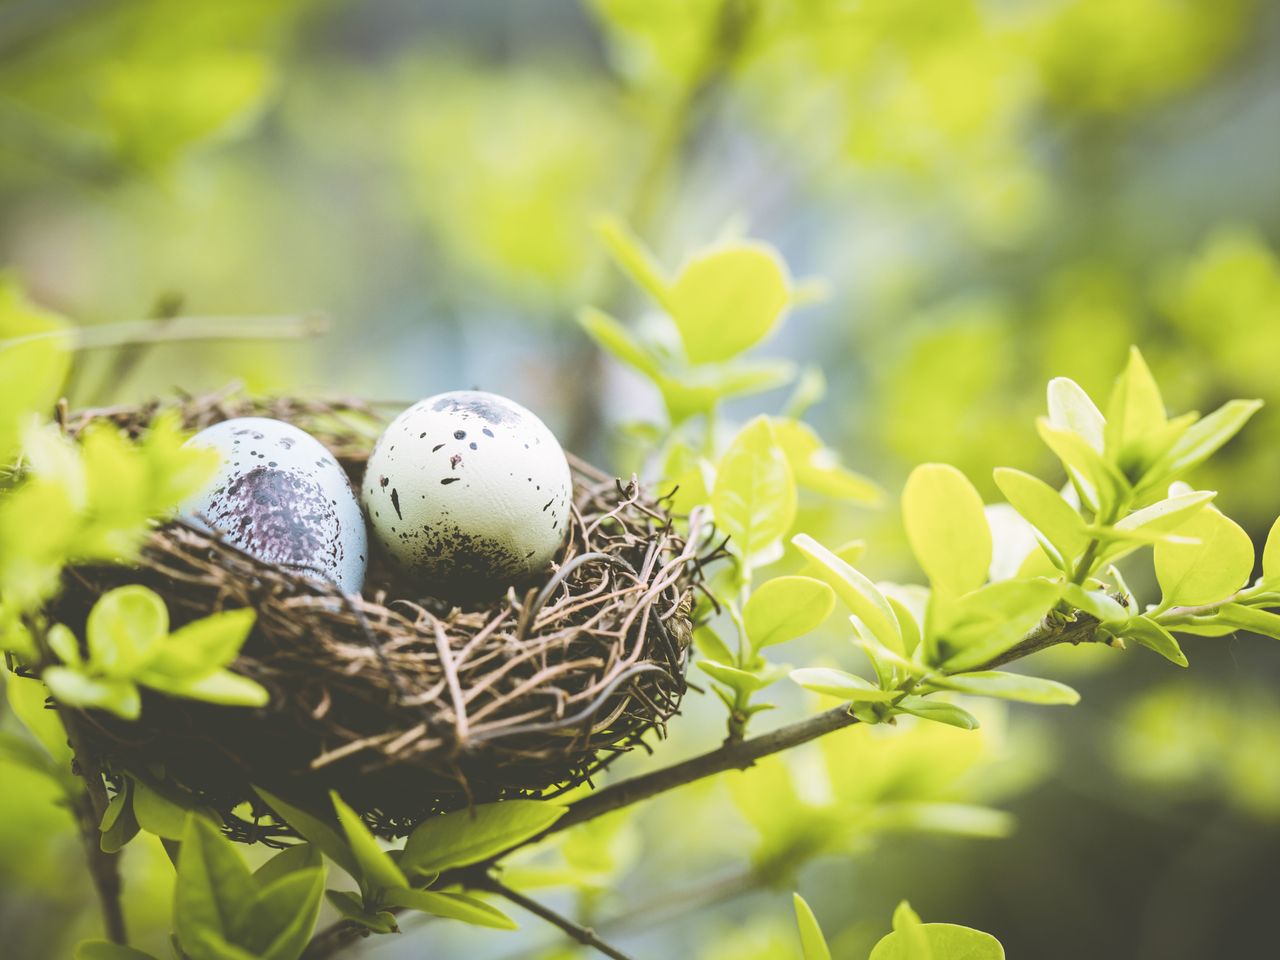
{"x": 89, "y": 808}
{"x": 180, "y": 329}
{"x": 583, "y": 935}
{"x": 104, "y": 868}
{"x": 735, "y": 755}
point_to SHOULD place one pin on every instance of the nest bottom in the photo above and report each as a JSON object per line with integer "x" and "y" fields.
{"x": 406, "y": 705}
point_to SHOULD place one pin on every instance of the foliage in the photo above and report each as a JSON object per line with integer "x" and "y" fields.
{"x": 990, "y": 223}
{"x": 910, "y": 940}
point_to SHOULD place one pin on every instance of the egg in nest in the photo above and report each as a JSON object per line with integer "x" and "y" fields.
{"x": 281, "y": 497}
{"x": 470, "y": 491}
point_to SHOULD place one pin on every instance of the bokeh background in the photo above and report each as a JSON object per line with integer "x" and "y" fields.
{"x": 993, "y": 193}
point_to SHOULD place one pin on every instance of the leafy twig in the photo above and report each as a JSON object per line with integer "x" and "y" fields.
{"x": 731, "y": 755}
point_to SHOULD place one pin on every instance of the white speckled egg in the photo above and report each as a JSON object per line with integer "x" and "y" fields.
{"x": 280, "y": 496}
{"x": 469, "y": 490}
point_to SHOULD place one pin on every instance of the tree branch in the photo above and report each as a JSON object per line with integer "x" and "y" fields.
{"x": 583, "y": 935}
{"x": 1053, "y": 630}
{"x": 104, "y": 868}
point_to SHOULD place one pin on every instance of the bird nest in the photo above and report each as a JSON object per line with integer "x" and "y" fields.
{"x": 407, "y": 705}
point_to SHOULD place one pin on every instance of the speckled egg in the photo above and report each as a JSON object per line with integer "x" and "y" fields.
{"x": 469, "y": 490}
{"x": 281, "y": 497}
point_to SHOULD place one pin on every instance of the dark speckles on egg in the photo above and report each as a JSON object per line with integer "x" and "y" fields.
{"x": 459, "y": 434}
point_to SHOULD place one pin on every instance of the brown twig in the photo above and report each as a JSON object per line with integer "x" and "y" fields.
{"x": 104, "y": 868}
{"x": 583, "y": 935}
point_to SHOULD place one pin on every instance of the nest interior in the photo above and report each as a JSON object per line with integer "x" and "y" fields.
{"x": 405, "y": 704}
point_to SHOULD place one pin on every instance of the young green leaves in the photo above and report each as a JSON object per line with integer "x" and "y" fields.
{"x": 1124, "y": 460}
{"x": 223, "y": 912}
{"x": 130, "y": 646}
{"x": 724, "y": 300}
{"x": 754, "y": 497}
{"x": 910, "y": 940}
{"x": 399, "y": 878}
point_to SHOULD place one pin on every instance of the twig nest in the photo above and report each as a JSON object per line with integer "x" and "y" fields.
{"x": 404, "y": 703}
{"x": 468, "y": 488}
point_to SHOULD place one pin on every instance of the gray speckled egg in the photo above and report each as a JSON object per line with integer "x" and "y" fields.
{"x": 469, "y": 489}
{"x": 281, "y": 497}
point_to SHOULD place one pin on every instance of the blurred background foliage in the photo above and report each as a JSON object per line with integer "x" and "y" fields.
{"x": 994, "y": 191}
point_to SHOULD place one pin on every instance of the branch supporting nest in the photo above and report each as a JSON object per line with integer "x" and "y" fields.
{"x": 405, "y": 704}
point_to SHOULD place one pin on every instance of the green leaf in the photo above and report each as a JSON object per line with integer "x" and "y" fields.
{"x": 947, "y": 528}
{"x": 106, "y": 950}
{"x": 203, "y": 646}
{"x": 726, "y": 301}
{"x": 612, "y": 337}
{"x": 744, "y": 681}
{"x": 377, "y": 869}
{"x": 279, "y": 924}
{"x": 636, "y": 261}
{"x": 1213, "y": 569}
{"x": 944, "y": 941}
{"x": 1043, "y": 507}
{"x": 813, "y": 945}
{"x": 817, "y": 467}
{"x": 937, "y": 710}
{"x": 74, "y": 689}
{"x": 1167, "y": 515}
{"x": 124, "y": 628}
{"x": 454, "y": 906}
{"x": 987, "y": 622}
{"x": 907, "y": 926}
{"x": 158, "y": 814}
{"x": 213, "y": 887}
{"x": 469, "y": 836}
{"x": 300, "y": 856}
{"x": 754, "y": 500}
{"x": 907, "y": 623}
{"x": 846, "y": 686}
{"x": 1100, "y": 485}
{"x": 222, "y": 687}
{"x": 27, "y": 699}
{"x": 857, "y": 593}
{"x": 118, "y": 825}
{"x": 1203, "y": 439}
{"x": 784, "y": 608}
{"x": 1070, "y": 409}
{"x": 1135, "y": 411}
{"x": 35, "y": 356}
{"x": 1155, "y": 637}
{"x": 1252, "y": 619}
{"x": 1008, "y": 686}
{"x": 710, "y": 646}
{"x": 1271, "y": 555}
{"x": 956, "y": 819}
{"x": 351, "y": 908}
{"x": 325, "y": 837}
{"x": 700, "y": 389}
